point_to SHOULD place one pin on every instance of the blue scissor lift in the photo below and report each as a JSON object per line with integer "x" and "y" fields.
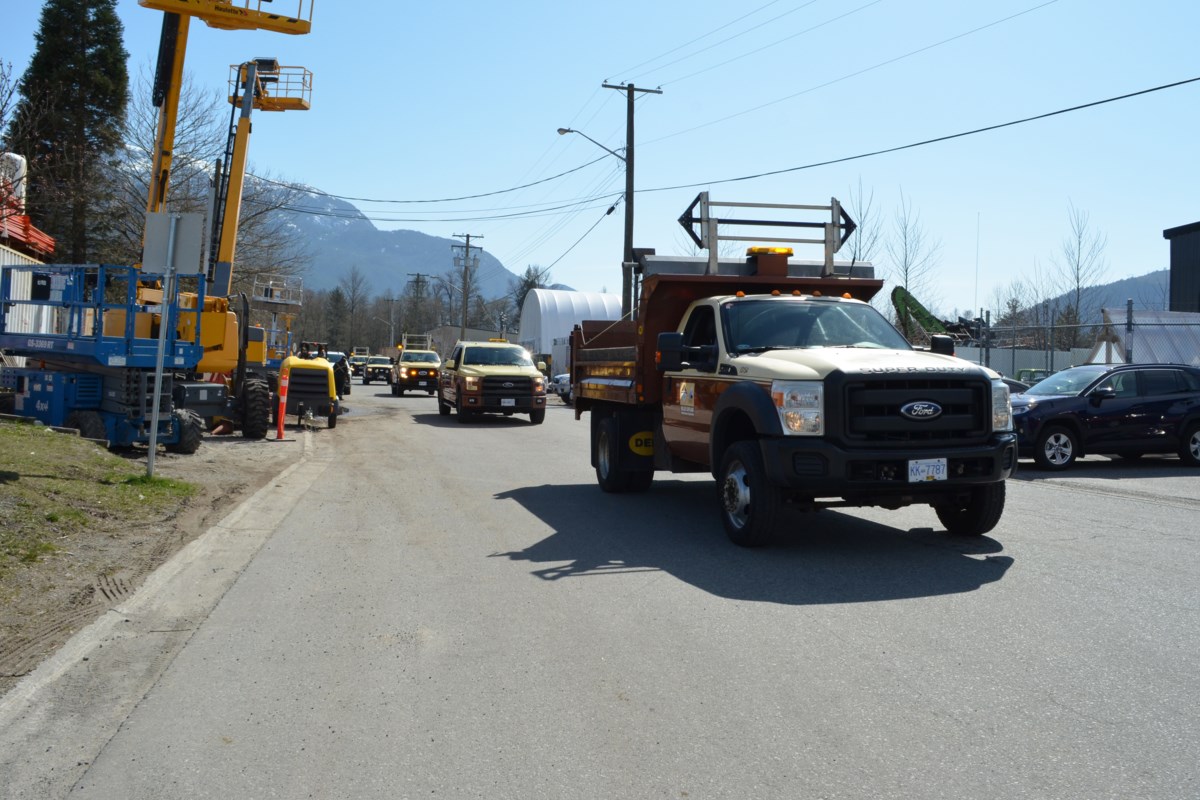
{"x": 91, "y": 350}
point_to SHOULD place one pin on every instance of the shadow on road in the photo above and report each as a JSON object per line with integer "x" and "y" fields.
{"x": 826, "y": 557}
{"x": 1111, "y": 468}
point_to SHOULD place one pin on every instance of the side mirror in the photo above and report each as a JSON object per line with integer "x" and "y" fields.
{"x": 1102, "y": 393}
{"x": 448, "y": 364}
{"x": 541, "y": 365}
{"x": 670, "y": 352}
{"x": 941, "y": 344}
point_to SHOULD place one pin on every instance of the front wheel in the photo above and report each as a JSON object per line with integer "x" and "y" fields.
{"x": 443, "y": 406}
{"x": 538, "y": 416}
{"x": 459, "y": 411}
{"x": 1056, "y": 448}
{"x": 1189, "y": 447}
{"x": 256, "y": 409}
{"x": 750, "y": 504}
{"x": 977, "y": 514}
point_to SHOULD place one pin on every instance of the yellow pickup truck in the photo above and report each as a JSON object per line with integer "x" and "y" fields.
{"x": 493, "y": 376}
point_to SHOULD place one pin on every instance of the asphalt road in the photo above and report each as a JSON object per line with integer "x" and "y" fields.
{"x": 422, "y": 608}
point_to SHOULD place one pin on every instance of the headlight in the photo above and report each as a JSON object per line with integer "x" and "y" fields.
{"x": 404, "y": 372}
{"x": 471, "y": 384}
{"x": 801, "y": 407}
{"x": 1029, "y": 406}
{"x": 1002, "y": 412}
{"x": 539, "y": 384}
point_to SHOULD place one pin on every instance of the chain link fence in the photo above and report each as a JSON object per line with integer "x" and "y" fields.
{"x": 1124, "y": 337}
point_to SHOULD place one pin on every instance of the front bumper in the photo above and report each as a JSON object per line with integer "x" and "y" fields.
{"x": 814, "y": 468}
{"x": 524, "y": 403}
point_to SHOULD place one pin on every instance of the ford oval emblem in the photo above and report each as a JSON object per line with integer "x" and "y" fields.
{"x": 921, "y": 410}
{"x": 508, "y": 384}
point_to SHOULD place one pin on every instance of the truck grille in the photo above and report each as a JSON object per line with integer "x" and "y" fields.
{"x": 502, "y": 386}
{"x": 873, "y": 410}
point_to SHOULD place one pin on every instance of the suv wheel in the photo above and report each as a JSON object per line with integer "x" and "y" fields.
{"x": 1056, "y": 448}
{"x": 1189, "y": 449}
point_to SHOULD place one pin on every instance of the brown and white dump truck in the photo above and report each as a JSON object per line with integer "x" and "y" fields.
{"x": 782, "y": 381}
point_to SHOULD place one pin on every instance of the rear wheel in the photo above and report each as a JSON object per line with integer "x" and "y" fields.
{"x": 191, "y": 432}
{"x": 256, "y": 409}
{"x": 609, "y": 474}
{"x": 1056, "y": 448}
{"x": 1189, "y": 448}
{"x": 977, "y": 515}
{"x": 443, "y": 406}
{"x": 89, "y": 424}
{"x": 750, "y": 504}
{"x": 538, "y": 416}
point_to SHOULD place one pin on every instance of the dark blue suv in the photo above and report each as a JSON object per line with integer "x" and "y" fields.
{"x": 1124, "y": 410}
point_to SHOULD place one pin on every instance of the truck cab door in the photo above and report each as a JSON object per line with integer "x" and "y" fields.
{"x": 690, "y": 393}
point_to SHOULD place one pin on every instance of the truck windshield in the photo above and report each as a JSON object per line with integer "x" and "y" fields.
{"x": 754, "y": 326}
{"x": 497, "y": 357}
{"x": 420, "y": 358}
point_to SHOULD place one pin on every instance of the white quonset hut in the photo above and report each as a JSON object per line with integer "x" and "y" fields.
{"x": 548, "y": 315}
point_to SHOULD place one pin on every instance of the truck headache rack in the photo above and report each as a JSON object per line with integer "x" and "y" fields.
{"x": 835, "y": 232}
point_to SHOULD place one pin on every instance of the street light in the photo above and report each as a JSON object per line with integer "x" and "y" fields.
{"x": 562, "y": 131}
{"x": 391, "y": 331}
{"x": 627, "y": 256}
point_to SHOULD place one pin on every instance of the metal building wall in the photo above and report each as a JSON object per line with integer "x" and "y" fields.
{"x": 1185, "y": 267}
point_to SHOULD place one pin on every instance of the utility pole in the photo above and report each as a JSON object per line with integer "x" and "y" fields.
{"x": 467, "y": 266}
{"x": 627, "y": 262}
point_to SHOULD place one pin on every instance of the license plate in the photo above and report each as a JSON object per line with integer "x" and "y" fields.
{"x": 508, "y": 401}
{"x": 926, "y": 469}
{"x": 422, "y": 383}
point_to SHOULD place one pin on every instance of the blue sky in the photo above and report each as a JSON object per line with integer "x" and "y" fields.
{"x": 440, "y": 100}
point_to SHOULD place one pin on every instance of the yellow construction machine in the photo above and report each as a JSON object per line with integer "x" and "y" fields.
{"x": 231, "y": 386}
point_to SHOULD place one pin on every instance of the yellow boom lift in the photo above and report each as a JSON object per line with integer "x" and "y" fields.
{"x": 234, "y": 355}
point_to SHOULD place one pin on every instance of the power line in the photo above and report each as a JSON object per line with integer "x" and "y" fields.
{"x": 855, "y": 74}
{"x": 581, "y": 238}
{"x": 760, "y": 49}
{"x": 715, "y": 30}
{"x": 927, "y": 141}
{"x": 439, "y": 200}
{"x": 736, "y": 35}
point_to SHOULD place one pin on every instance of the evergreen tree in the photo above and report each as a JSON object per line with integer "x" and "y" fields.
{"x": 69, "y": 118}
{"x": 337, "y": 319}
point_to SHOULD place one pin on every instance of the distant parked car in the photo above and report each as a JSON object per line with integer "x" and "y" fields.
{"x": 1015, "y": 386}
{"x": 1124, "y": 410}
{"x": 561, "y": 386}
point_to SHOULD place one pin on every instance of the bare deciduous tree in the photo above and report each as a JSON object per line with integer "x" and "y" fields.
{"x": 912, "y": 254}
{"x": 357, "y": 292}
{"x": 1079, "y": 265}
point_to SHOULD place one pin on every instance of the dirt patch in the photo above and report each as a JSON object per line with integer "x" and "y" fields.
{"x": 46, "y": 602}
